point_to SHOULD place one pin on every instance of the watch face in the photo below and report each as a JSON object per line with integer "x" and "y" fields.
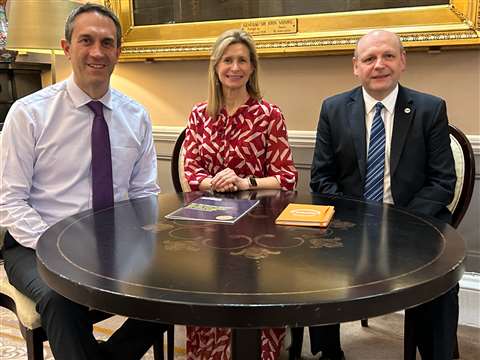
{"x": 253, "y": 182}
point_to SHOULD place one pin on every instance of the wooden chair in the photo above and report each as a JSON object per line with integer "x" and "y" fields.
{"x": 465, "y": 170}
{"x": 30, "y": 325}
{"x": 178, "y": 175}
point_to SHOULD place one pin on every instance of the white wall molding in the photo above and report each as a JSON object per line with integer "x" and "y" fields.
{"x": 471, "y": 281}
{"x": 475, "y": 141}
{"x": 297, "y": 138}
{"x": 302, "y": 139}
{"x": 166, "y": 133}
{"x": 470, "y": 299}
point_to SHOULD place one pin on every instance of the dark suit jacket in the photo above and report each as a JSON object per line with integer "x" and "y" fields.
{"x": 422, "y": 168}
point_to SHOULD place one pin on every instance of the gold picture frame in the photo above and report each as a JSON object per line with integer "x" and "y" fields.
{"x": 437, "y": 26}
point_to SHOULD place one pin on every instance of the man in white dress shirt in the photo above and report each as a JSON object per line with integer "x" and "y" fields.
{"x": 46, "y": 171}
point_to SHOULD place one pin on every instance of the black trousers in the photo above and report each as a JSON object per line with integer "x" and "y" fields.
{"x": 432, "y": 327}
{"x": 322, "y": 338}
{"x": 66, "y": 323}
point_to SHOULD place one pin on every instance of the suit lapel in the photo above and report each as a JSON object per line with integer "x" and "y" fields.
{"x": 356, "y": 119}
{"x": 404, "y": 112}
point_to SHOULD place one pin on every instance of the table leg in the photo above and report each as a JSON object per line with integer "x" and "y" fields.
{"x": 246, "y": 344}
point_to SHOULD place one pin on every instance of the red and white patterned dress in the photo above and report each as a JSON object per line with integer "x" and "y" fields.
{"x": 253, "y": 141}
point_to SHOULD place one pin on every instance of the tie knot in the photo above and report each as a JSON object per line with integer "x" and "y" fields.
{"x": 378, "y": 107}
{"x": 96, "y": 107}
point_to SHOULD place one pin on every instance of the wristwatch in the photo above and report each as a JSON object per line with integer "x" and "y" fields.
{"x": 252, "y": 181}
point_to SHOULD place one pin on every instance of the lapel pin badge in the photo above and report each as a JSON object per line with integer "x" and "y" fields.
{"x": 407, "y": 110}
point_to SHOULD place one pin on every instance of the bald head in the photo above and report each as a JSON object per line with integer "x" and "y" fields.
{"x": 378, "y": 35}
{"x": 378, "y": 62}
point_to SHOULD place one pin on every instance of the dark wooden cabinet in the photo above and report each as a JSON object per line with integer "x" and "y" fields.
{"x": 16, "y": 81}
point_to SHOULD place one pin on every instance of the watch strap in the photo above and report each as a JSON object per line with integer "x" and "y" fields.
{"x": 253, "y": 181}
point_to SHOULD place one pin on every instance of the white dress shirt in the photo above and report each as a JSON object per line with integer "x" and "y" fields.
{"x": 45, "y": 148}
{"x": 388, "y": 113}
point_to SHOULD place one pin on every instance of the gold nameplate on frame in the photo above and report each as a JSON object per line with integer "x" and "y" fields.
{"x": 270, "y": 27}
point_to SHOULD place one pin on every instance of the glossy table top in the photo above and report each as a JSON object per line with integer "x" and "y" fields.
{"x": 130, "y": 260}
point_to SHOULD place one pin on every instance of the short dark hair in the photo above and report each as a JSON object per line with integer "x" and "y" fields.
{"x": 99, "y": 9}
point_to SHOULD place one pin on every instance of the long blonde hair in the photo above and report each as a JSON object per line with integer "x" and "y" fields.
{"x": 215, "y": 93}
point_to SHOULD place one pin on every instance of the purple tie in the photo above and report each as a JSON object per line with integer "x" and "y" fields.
{"x": 102, "y": 183}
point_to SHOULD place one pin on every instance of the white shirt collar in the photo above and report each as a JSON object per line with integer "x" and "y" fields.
{"x": 80, "y": 98}
{"x": 388, "y": 102}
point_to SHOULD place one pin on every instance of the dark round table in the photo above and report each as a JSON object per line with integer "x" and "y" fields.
{"x": 372, "y": 259}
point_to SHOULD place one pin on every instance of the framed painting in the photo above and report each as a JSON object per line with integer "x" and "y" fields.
{"x": 186, "y": 29}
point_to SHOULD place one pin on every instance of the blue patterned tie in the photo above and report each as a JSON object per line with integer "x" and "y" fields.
{"x": 102, "y": 180}
{"x": 376, "y": 158}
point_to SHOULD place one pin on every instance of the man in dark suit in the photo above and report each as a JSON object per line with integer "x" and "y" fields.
{"x": 384, "y": 142}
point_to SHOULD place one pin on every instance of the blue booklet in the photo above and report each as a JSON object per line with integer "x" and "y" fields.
{"x": 214, "y": 209}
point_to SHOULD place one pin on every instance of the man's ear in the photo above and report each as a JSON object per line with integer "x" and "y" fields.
{"x": 66, "y": 47}
{"x": 404, "y": 60}
{"x": 354, "y": 63}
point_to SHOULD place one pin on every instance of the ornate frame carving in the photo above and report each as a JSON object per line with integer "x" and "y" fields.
{"x": 439, "y": 26}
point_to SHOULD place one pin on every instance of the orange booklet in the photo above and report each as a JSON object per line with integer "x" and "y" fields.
{"x": 306, "y": 215}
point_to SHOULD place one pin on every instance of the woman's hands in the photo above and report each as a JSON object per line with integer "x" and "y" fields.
{"x": 228, "y": 181}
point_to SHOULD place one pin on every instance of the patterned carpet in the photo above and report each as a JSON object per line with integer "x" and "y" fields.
{"x": 382, "y": 340}
{"x": 12, "y": 345}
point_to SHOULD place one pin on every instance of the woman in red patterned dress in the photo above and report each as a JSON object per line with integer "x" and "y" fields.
{"x": 235, "y": 141}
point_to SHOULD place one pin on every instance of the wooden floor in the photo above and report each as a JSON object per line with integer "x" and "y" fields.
{"x": 383, "y": 340}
